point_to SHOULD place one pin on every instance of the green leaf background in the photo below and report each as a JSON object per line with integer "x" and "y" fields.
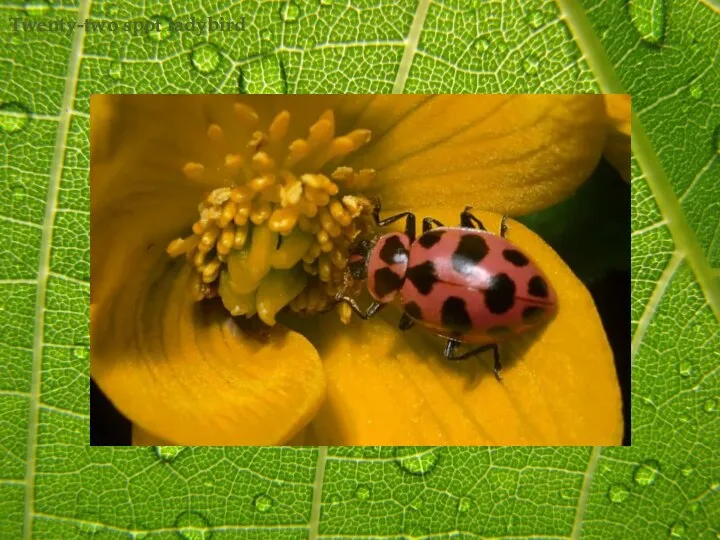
{"x": 53, "y": 485}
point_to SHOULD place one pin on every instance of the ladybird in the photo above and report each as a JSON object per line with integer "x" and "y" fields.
{"x": 463, "y": 283}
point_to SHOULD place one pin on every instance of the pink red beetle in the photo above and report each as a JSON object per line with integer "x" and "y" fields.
{"x": 462, "y": 283}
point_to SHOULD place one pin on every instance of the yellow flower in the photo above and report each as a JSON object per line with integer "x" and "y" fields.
{"x": 256, "y": 200}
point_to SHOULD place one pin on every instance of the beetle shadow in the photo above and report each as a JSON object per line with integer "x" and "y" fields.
{"x": 472, "y": 369}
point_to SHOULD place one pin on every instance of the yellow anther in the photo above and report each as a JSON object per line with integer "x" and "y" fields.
{"x": 241, "y": 234}
{"x": 309, "y": 268}
{"x": 271, "y": 193}
{"x": 337, "y": 211}
{"x": 317, "y": 181}
{"x": 257, "y": 141}
{"x": 352, "y": 204}
{"x": 342, "y": 173}
{"x": 344, "y": 312}
{"x": 194, "y": 171}
{"x": 262, "y": 163}
{"x": 246, "y": 114}
{"x": 337, "y": 259}
{"x": 283, "y": 220}
{"x": 227, "y": 240}
{"x": 234, "y": 162}
{"x": 364, "y": 178}
{"x": 211, "y": 271}
{"x": 323, "y": 236}
{"x": 218, "y": 197}
{"x": 241, "y": 193}
{"x": 291, "y": 193}
{"x": 215, "y": 133}
{"x": 322, "y": 131}
{"x": 328, "y": 223}
{"x": 326, "y": 247}
{"x": 199, "y": 258}
{"x": 208, "y": 238}
{"x": 298, "y": 150}
{"x": 181, "y": 245}
{"x": 307, "y": 208}
{"x": 227, "y": 214}
{"x": 308, "y": 225}
{"x": 279, "y": 127}
{"x": 316, "y": 196}
{"x": 324, "y": 268}
{"x": 243, "y": 213}
{"x": 260, "y": 212}
{"x": 261, "y": 182}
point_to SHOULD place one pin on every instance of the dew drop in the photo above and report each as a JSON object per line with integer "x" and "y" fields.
{"x": 290, "y": 11}
{"x": 362, "y": 493}
{"x": 696, "y": 89}
{"x": 464, "y": 504}
{"x": 694, "y": 507}
{"x": 535, "y": 19}
{"x": 648, "y": 18}
{"x": 37, "y": 8}
{"x": 685, "y": 368}
{"x": 168, "y": 453}
{"x": 205, "y": 58}
{"x": 81, "y": 353}
{"x": 531, "y": 64}
{"x": 262, "y": 503}
{"x": 333, "y": 499}
{"x": 417, "y": 460}
{"x": 481, "y": 45}
{"x": 326, "y": 2}
{"x": 161, "y": 28}
{"x": 678, "y": 529}
{"x": 193, "y": 525}
{"x": 646, "y": 473}
{"x": 687, "y": 470}
{"x": 115, "y": 70}
{"x": 710, "y": 405}
{"x": 618, "y": 493}
{"x": 13, "y": 117}
{"x": 263, "y": 76}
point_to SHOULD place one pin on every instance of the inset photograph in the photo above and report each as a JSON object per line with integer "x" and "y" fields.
{"x": 360, "y": 270}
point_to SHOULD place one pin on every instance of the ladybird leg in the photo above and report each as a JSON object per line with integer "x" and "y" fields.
{"x": 409, "y": 223}
{"x": 503, "y": 226}
{"x": 469, "y": 221}
{"x": 452, "y": 345}
{"x": 497, "y": 366}
{"x": 364, "y": 315}
{"x": 428, "y": 222}
{"x": 406, "y": 323}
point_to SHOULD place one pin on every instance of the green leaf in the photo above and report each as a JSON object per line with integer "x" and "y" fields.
{"x": 52, "y": 485}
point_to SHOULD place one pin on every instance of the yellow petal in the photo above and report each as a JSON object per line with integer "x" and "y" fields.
{"x": 187, "y": 373}
{"x": 559, "y": 386}
{"x": 511, "y": 154}
{"x": 140, "y": 437}
{"x": 617, "y": 146}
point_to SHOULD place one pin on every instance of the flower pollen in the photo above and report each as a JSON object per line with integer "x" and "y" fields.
{"x": 278, "y": 233}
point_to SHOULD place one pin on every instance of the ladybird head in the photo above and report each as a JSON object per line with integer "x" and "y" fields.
{"x": 358, "y": 258}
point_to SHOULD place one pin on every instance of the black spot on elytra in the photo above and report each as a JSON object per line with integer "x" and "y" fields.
{"x": 538, "y": 287}
{"x": 532, "y": 314}
{"x": 393, "y": 251}
{"x": 430, "y": 238}
{"x": 471, "y": 249}
{"x": 423, "y": 277}
{"x": 412, "y": 309}
{"x": 386, "y": 282}
{"x": 499, "y": 330}
{"x": 515, "y": 257}
{"x": 500, "y": 295}
{"x": 454, "y": 315}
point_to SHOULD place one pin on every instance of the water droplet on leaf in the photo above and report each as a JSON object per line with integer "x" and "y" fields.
{"x": 115, "y": 70}
{"x": 618, "y": 493}
{"x": 193, "y": 525}
{"x": 481, "y": 45}
{"x": 417, "y": 460}
{"x": 531, "y": 64}
{"x": 168, "y": 453}
{"x": 81, "y": 353}
{"x": 685, "y": 368}
{"x": 263, "y": 76}
{"x": 535, "y": 19}
{"x": 289, "y": 12}
{"x": 648, "y": 18}
{"x": 205, "y": 58}
{"x": 696, "y": 89}
{"x": 646, "y": 473}
{"x": 678, "y": 529}
{"x": 333, "y": 499}
{"x": 37, "y": 8}
{"x": 464, "y": 504}
{"x": 13, "y": 117}
{"x": 687, "y": 471}
{"x": 161, "y": 28}
{"x": 710, "y": 405}
{"x": 262, "y": 503}
{"x": 362, "y": 493}
{"x": 326, "y": 2}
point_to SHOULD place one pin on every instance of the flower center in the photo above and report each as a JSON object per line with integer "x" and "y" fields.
{"x": 279, "y": 232}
